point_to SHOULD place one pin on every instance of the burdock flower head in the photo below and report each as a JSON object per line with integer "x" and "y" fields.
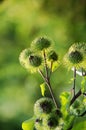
{"x": 50, "y": 122}
{"x": 35, "y": 60}
{"x": 79, "y": 46}
{"x": 41, "y": 43}
{"x": 52, "y": 59}
{"x": 52, "y": 56}
{"x": 75, "y": 56}
{"x": 43, "y": 106}
{"x": 23, "y": 58}
{"x": 30, "y": 61}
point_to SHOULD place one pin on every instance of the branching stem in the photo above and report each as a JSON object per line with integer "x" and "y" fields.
{"x": 84, "y": 113}
{"x": 45, "y": 62}
{"x": 76, "y": 96}
{"x": 47, "y": 79}
{"x": 51, "y": 67}
{"x": 74, "y": 85}
{"x": 49, "y": 86}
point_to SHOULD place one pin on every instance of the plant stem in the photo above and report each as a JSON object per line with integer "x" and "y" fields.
{"x": 84, "y": 113}
{"x": 49, "y": 86}
{"x": 52, "y": 94}
{"x": 51, "y": 67}
{"x": 76, "y": 96}
{"x": 70, "y": 128}
{"x": 74, "y": 84}
{"x": 45, "y": 62}
{"x": 47, "y": 80}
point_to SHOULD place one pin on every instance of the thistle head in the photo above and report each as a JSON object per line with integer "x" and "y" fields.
{"x": 58, "y": 113}
{"x": 75, "y": 57}
{"x": 23, "y": 57}
{"x": 35, "y": 60}
{"x": 43, "y": 106}
{"x": 79, "y": 46}
{"x": 52, "y": 56}
{"x": 38, "y": 124}
{"x": 29, "y": 60}
{"x": 50, "y": 122}
{"x": 41, "y": 43}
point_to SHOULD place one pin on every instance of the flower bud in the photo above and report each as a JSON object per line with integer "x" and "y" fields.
{"x": 41, "y": 43}
{"x": 43, "y": 106}
{"x": 35, "y": 61}
{"x": 38, "y": 124}
{"x": 52, "y": 56}
{"x": 24, "y": 56}
{"x": 58, "y": 113}
{"x": 79, "y": 46}
{"x": 50, "y": 122}
{"x": 75, "y": 57}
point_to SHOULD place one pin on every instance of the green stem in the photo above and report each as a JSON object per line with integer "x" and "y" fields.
{"x": 83, "y": 114}
{"x": 74, "y": 83}
{"x": 75, "y": 97}
{"x": 49, "y": 86}
{"x": 47, "y": 79}
{"x": 45, "y": 62}
{"x": 51, "y": 67}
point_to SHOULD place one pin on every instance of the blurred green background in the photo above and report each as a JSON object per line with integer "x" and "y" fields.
{"x": 20, "y": 22}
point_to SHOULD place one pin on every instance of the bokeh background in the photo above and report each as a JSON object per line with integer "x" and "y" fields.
{"x": 64, "y": 21}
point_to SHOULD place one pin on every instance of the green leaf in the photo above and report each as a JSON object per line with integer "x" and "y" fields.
{"x": 65, "y": 103}
{"x": 80, "y": 123}
{"x": 84, "y": 102}
{"x": 65, "y": 98}
{"x": 69, "y": 122}
{"x": 83, "y": 85}
{"x": 43, "y": 89}
{"x": 28, "y": 124}
{"x": 55, "y": 66}
{"x": 76, "y": 107}
{"x": 71, "y": 80}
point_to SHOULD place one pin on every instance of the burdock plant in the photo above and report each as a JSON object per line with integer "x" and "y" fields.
{"x": 43, "y": 59}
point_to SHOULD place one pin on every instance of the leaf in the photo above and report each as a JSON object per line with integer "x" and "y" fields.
{"x": 28, "y": 124}
{"x": 69, "y": 122}
{"x": 80, "y": 123}
{"x": 83, "y": 84}
{"x": 43, "y": 89}
{"x": 84, "y": 102}
{"x": 65, "y": 103}
{"x": 71, "y": 80}
{"x": 65, "y": 98}
{"x": 55, "y": 66}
